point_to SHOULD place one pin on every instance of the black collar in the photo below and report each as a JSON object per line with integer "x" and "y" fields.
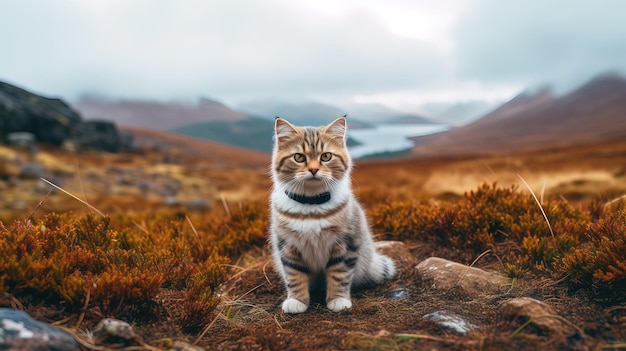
{"x": 309, "y": 200}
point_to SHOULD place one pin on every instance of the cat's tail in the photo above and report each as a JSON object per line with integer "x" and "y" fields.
{"x": 380, "y": 268}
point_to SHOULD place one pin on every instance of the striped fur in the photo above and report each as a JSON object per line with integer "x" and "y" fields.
{"x": 329, "y": 242}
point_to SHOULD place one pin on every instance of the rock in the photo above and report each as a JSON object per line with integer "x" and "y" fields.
{"x": 451, "y": 321}
{"x": 32, "y": 170}
{"x": 50, "y": 120}
{"x": 398, "y": 294}
{"x": 99, "y": 135}
{"x": 183, "y": 346}
{"x": 171, "y": 201}
{"x": 114, "y": 328}
{"x": 443, "y": 275}
{"x": 24, "y": 140}
{"x": 199, "y": 205}
{"x": 539, "y": 313}
{"x": 19, "y": 331}
{"x": 397, "y": 251}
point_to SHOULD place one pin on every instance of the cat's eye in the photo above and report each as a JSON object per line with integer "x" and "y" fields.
{"x": 299, "y": 158}
{"x": 326, "y": 157}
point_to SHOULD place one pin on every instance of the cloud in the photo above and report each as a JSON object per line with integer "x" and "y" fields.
{"x": 535, "y": 42}
{"x": 235, "y": 49}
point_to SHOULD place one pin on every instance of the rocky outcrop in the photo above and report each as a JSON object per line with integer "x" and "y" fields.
{"x": 50, "y": 120}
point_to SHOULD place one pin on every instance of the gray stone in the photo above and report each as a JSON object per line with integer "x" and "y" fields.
{"x": 32, "y": 170}
{"x": 20, "y": 332}
{"x": 183, "y": 346}
{"x": 398, "y": 294}
{"x": 443, "y": 275}
{"x": 452, "y": 321}
{"x": 199, "y": 205}
{"x": 115, "y": 328}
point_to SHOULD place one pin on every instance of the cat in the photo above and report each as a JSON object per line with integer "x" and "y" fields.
{"x": 319, "y": 233}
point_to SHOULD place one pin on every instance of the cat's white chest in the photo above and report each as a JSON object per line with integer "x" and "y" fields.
{"x": 309, "y": 227}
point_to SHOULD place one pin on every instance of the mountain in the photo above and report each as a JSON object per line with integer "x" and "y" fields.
{"x": 252, "y": 133}
{"x": 456, "y": 113}
{"x": 540, "y": 120}
{"x": 364, "y": 115}
{"x": 408, "y": 119}
{"x": 308, "y": 113}
{"x": 154, "y": 114}
{"x": 218, "y": 155}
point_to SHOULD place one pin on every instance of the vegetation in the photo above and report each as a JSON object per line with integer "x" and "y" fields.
{"x": 73, "y": 260}
{"x": 177, "y": 271}
{"x": 508, "y": 223}
{"x": 76, "y": 261}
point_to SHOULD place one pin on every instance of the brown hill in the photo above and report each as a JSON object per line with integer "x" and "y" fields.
{"x": 594, "y": 112}
{"x": 155, "y": 115}
{"x": 193, "y": 149}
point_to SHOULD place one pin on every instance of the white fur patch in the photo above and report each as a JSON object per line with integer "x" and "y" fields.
{"x": 281, "y": 201}
{"x": 294, "y": 306}
{"x": 309, "y": 226}
{"x": 339, "y": 304}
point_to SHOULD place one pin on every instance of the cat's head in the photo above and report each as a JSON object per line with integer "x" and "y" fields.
{"x": 309, "y": 160}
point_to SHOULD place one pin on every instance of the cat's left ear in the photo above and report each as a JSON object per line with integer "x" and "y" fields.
{"x": 337, "y": 128}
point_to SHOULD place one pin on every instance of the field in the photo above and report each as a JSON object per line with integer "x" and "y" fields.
{"x": 173, "y": 240}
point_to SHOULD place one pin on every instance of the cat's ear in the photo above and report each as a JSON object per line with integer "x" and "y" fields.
{"x": 284, "y": 129}
{"x": 337, "y": 128}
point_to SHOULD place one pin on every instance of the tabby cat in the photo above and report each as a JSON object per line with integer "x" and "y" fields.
{"x": 319, "y": 234}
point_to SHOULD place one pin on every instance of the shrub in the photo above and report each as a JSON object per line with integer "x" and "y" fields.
{"x": 65, "y": 259}
{"x": 600, "y": 263}
{"x": 503, "y": 220}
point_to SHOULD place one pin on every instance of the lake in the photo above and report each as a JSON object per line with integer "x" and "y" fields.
{"x": 389, "y": 137}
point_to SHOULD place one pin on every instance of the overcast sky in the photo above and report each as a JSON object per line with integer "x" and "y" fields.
{"x": 398, "y": 52}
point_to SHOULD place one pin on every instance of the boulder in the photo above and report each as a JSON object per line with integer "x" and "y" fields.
{"x": 98, "y": 135}
{"x": 20, "y": 332}
{"x": 443, "y": 275}
{"x": 49, "y": 120}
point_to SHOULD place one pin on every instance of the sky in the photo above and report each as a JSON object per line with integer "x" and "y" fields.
{"x": 401, "y": 53}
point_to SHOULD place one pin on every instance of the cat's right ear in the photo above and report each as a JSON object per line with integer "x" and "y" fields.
{"x": 284, "y": 129}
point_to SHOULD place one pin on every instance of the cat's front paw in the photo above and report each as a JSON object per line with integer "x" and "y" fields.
{"x": 294, "y": 306}
{"x": 339, "y": 304}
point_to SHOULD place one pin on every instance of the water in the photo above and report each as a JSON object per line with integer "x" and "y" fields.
{"x": 389, "y": 137}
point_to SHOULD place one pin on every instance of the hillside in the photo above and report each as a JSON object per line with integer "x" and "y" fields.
{"x": 154, "y": 114}
{"x": 252, "y": 133}
{"x": 595, "y": 112}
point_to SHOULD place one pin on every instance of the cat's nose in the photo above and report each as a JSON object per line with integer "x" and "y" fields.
{"x": 313, "y": 170}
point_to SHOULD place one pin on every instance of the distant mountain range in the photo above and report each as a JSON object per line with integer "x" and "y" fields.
{"x": 537, "y": 119}
{"x": 156, "y": 115}
{"x": 540, "y": 120}
{"x": 250, "y": 128}
{"x": 314, "y": 113}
